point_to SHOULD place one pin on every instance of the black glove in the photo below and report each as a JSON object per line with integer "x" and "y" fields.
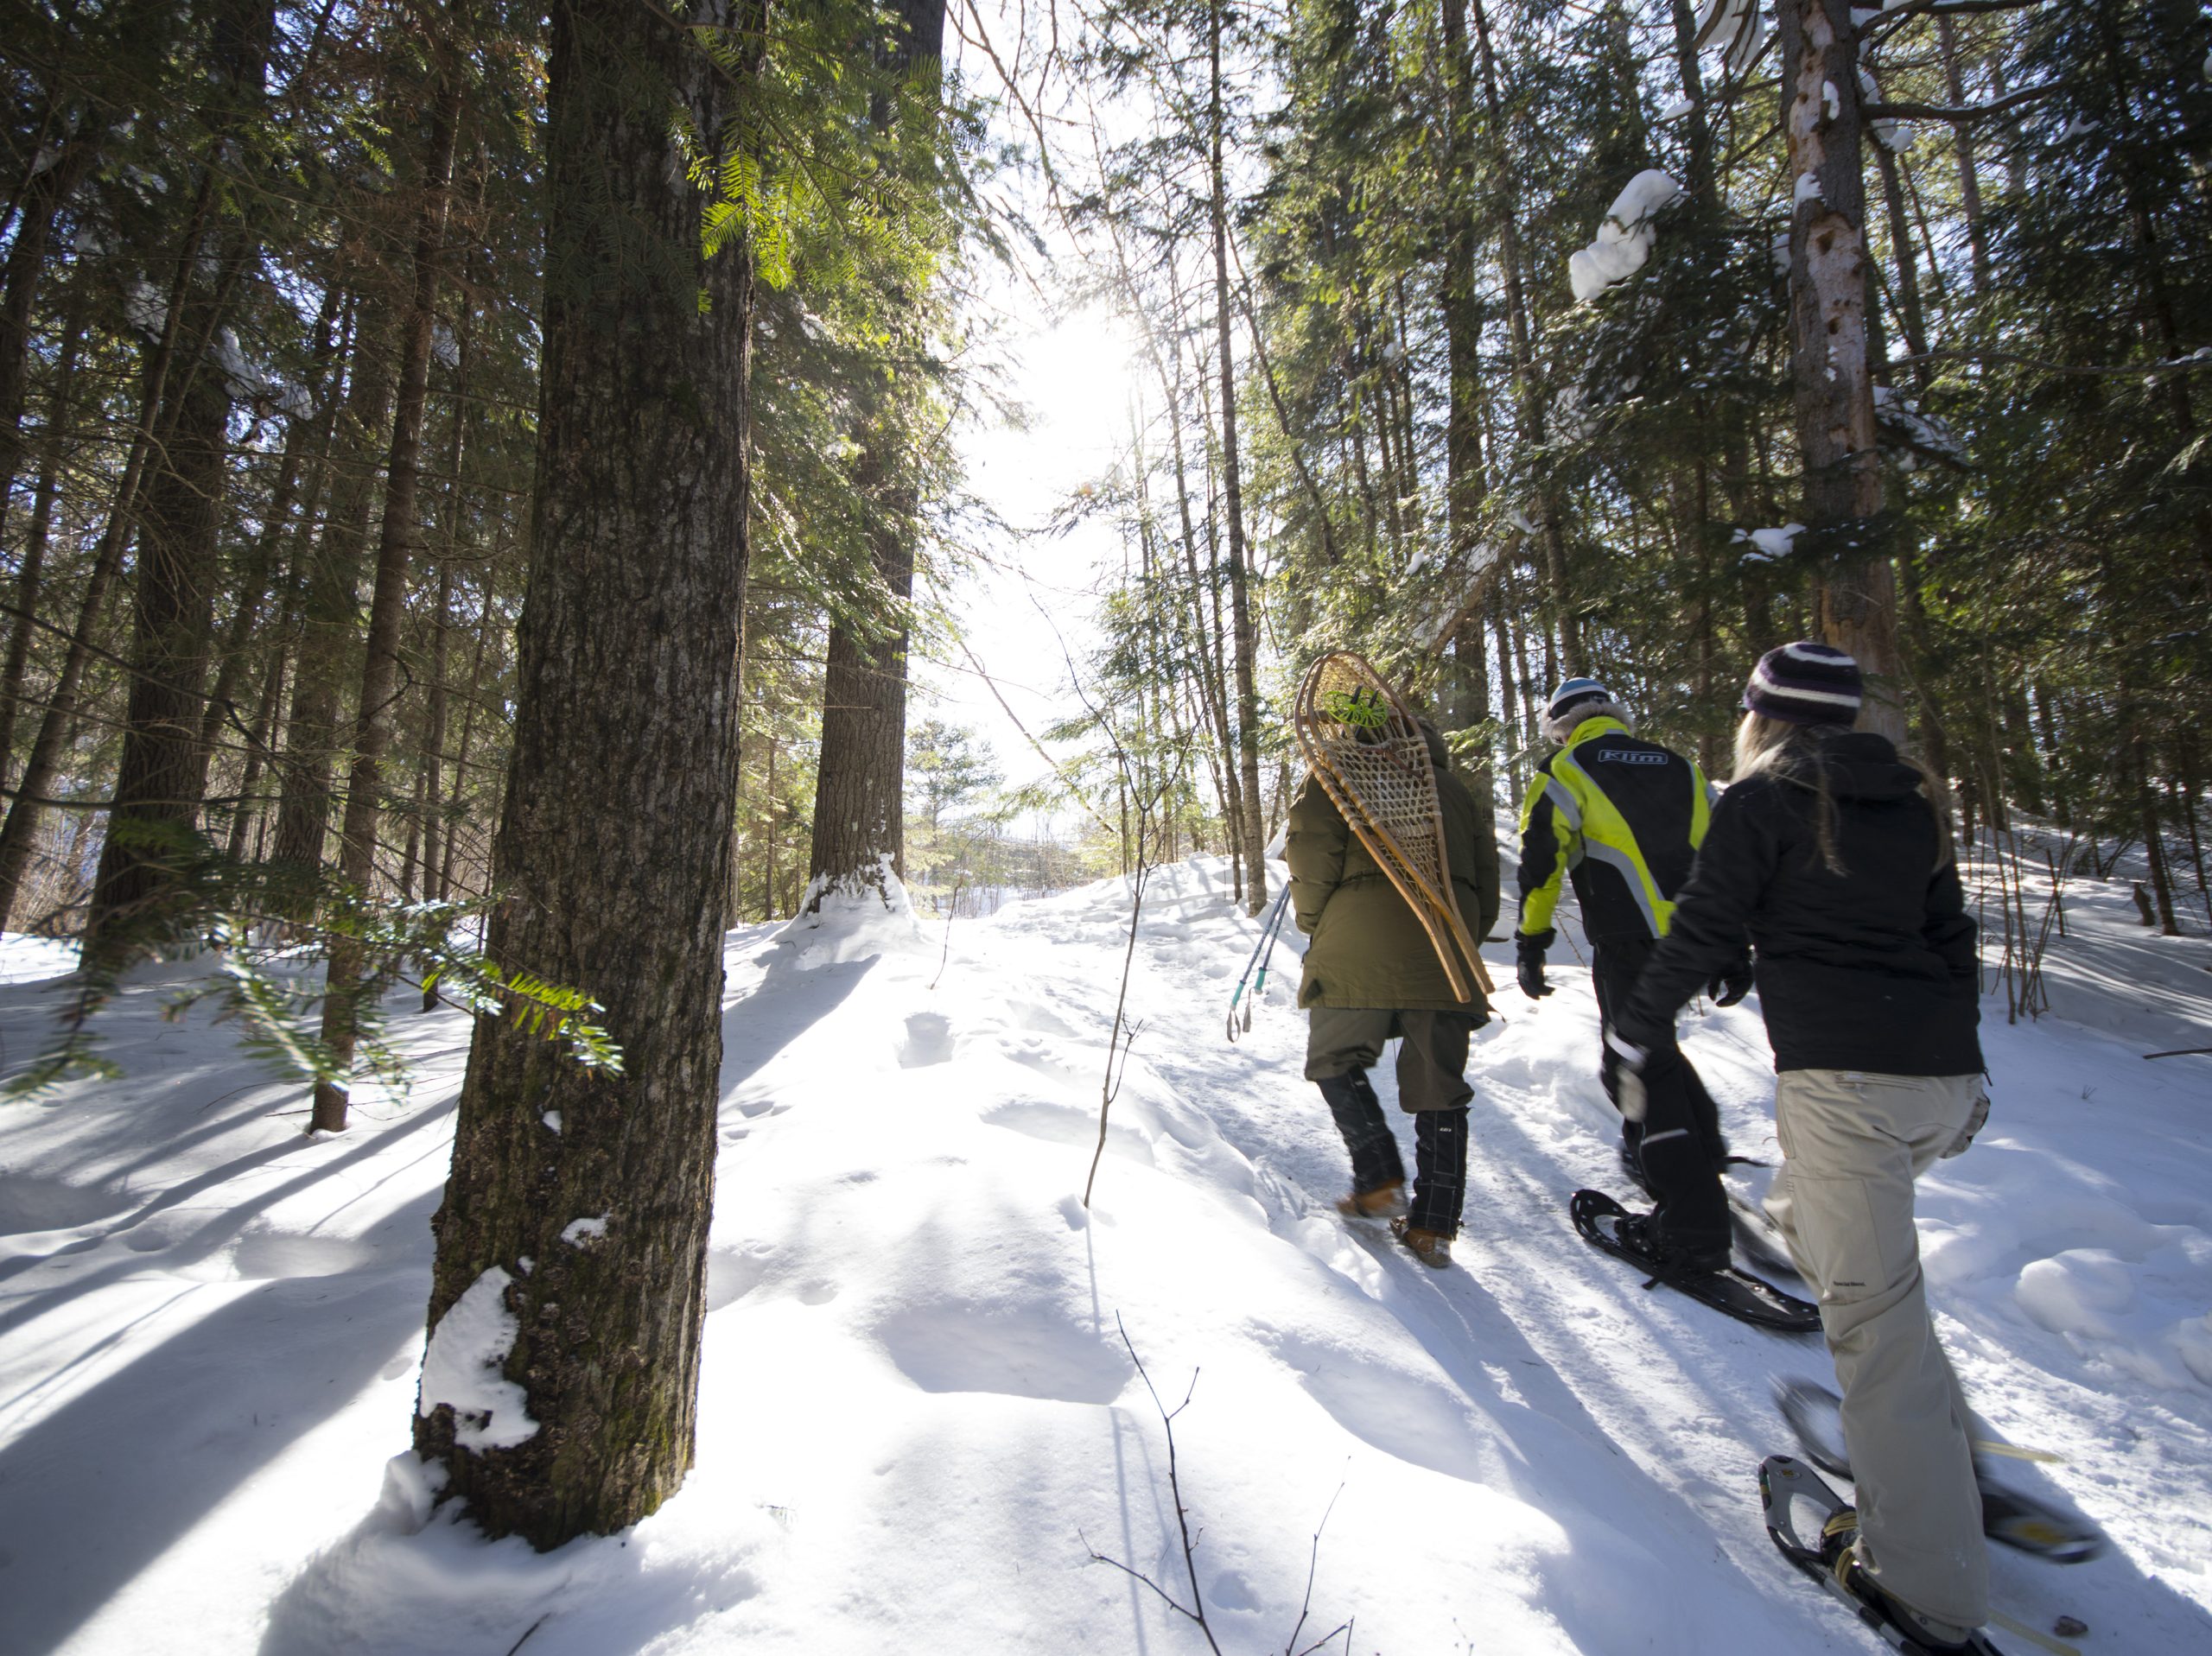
{"x": 1732, "y": 984}
{"x": 1528, "y": 962}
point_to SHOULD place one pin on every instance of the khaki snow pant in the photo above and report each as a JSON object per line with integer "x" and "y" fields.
{"x": 1852, "y": 1144}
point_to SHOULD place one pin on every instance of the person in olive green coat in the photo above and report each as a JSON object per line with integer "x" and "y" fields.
{"x": 1370, "y": 974}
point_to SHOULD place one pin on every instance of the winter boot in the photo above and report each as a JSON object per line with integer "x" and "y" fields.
{"x": 1432, "y": 1247}
{"x": 1840, "y": 1549}
{"x": 1386, "y": 1201}
{"x": 1632, "y": 1164}
{"x": 1641, "y": 1234}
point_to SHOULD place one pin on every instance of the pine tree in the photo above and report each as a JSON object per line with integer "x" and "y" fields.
{"x": 615, "y": 841}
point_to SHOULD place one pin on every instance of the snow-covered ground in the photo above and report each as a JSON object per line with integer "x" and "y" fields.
{"x": 918, "y": 1421}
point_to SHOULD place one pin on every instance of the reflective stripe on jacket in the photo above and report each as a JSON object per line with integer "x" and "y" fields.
{"x": 1625, "y": 817}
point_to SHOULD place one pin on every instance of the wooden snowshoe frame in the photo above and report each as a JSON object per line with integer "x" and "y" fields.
{"x": 1373, "y": 762}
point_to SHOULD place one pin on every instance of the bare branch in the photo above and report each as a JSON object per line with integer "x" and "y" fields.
{"x": 1175, "y": 1483}
{"x": 1955, "y": 112}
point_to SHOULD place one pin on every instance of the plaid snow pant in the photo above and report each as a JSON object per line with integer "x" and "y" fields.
{"x": 1342, "y": 1044}
{"x": 1852, "y": 1144}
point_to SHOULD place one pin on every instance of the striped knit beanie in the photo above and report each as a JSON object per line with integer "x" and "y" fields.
{"x": 1805, "y": 683}
{"x": 1572, "y": 691}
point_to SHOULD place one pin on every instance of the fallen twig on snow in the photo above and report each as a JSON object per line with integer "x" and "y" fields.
{"x": 1290, "y": 1646}
{"x": 951, "y": 912}
{"x": 1196, "y": 1610}
{"x": 1175, "y": 1492}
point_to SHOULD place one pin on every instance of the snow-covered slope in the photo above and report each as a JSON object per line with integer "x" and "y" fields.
{"x": 919, "y": 1419}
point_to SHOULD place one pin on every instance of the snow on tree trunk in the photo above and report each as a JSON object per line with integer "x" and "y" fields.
{"x": 615, "y": 834}
{"x": 1857, "y": 600}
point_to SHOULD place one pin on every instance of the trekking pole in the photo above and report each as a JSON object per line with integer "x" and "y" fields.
{"x": 1267, "y": 930}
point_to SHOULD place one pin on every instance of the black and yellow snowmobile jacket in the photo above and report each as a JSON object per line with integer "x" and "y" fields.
{"x": 1625, "y": 817}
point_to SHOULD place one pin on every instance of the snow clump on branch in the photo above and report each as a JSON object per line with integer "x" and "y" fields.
{"x": 1624, "y": 238}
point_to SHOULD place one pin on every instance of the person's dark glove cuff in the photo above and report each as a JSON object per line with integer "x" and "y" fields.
{"x": 1529, "y": 944}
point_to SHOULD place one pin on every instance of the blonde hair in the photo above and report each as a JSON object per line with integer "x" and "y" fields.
{"x": 1795, "y": 753}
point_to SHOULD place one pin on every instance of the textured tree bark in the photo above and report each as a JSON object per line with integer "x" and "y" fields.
{"x": 21, "y": 830}
{"x": 330, "y": 610}
{"x": 20, "y": 278}
{"x": 396, "y": 544}
{"x": 1969, "y": 172}
{"x": 1246, "y": 629}
{"x": 264, "y": 574}
{"x": 860, "y": 810}
{"x": 30, "y": 572}
{"x": 1857, "y": 600}
{"x": 248, "y": 810}
{"x": 859, "y": 794}
{"x": 1551, "y": 537}
{"x": 160, "y": 777}
{"x": 434, "y": 740}
{"x": 486, "y": 620}
{"x": 1910, "y": 313}
{"x": 620, "y": 791}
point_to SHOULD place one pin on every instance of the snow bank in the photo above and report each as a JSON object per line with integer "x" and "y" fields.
{"x": 1624, "y": 237}
{"x": 26, "y": 959}
{"x": 838, "y": 924}
{"x": 461, "y": 1365}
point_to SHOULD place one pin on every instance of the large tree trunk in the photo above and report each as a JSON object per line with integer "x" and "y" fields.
{"x": 1245, "y": 624}
{"x": 160, "y": 778}
{"x": 20, "y": 279}
{"x": 1529, "y": 396}
{"x": 1857, "y": 601}
{"x": 26, "y": 810}
{"x": 860, "y": 815}
{"x": 30, "y": 572}
{"x": 373, "y": 722}
{"x": 616, "y": 826}
{"x": 330, "y": 610}
{"x": 1969, "y": 171}
{"x": 265, "y": 571}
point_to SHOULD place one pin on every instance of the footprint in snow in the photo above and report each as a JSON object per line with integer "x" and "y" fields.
{"x": 929, "y": 1040}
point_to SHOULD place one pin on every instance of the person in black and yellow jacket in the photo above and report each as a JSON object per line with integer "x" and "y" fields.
{"x": 1624, "y": 817}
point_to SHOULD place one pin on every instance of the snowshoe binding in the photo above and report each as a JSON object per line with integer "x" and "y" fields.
{"x": 1787, "y": 1488}
{"x": 1601, "y": 1221}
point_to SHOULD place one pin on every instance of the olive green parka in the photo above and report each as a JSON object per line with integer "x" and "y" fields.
{"x": 1369, "y": 949}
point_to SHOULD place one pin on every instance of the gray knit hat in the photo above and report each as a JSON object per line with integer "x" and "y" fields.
{"x": 1806, "y": 683}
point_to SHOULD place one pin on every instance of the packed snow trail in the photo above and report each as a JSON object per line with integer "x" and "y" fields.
{"x": 917, "y": 1418}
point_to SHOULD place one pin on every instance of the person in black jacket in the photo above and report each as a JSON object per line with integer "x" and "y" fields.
{"x": 1827, "y": 853}
{"x": 1622, "y": 818}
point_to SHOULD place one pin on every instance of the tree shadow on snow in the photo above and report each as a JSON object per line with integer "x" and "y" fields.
{"x": 94, "y": 1492}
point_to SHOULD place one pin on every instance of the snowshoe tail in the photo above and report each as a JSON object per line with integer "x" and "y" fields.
{"x": 1736, "y": 1293}
{"x": 2008, "y": 1516}
{"x": 1758, "y": 1238}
